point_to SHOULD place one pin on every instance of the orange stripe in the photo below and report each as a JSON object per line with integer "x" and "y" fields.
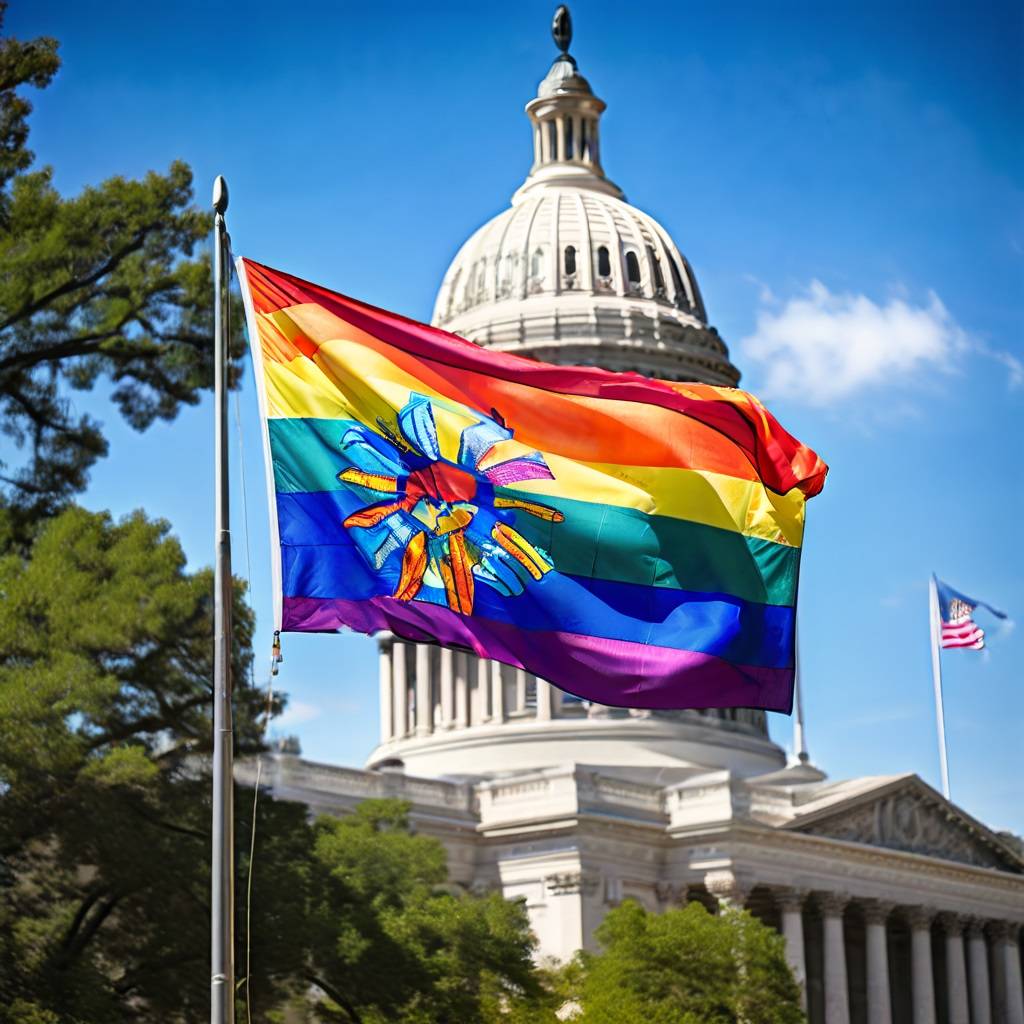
{"x": 577, "y": 427}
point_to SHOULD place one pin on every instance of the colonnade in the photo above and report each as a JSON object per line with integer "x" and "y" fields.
{"x": 971, "y": 947}
{"x": 424, "y": 689}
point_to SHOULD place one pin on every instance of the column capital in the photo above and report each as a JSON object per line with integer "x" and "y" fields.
{"x": 790, "y": 898}
{"x": 1004, "y": 931}
{"x": 975, "y": 927}
{"x": 952, "y": 924}
{"x": 728, "y": 886}
{"x": 876, "y": 911}
{"x": 831, "y": 904}
{"x": 919, "y": 918}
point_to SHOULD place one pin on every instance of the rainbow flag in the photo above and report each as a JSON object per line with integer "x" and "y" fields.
{"x": 635, "y": 542}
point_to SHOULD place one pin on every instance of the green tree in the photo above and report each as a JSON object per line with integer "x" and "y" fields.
{"x": 108, "y": 285}
{"x": 686, "y": 967}
{"x": 387, "y": 939}
{"x": 105, "y": 669}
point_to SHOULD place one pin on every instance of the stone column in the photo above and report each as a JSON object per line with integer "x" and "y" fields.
{"x": 1006, "y": 960}
{"x": 977, "y": 957}
{"x": 447, "y": 689}
{"x": 424, "y": 702}
{"x": 461, "y": 690}
{"x": 483, "y": 688}
{"x": 729, "y": 888}
{"x": 400, "y": 685}
{"x": 387, "y": 698}
{"x": 791, "y": 902}
{"x": 543, "y": 700}
{"x": 922, "y": 986}
{"x": 497, "y": 693}
{"x": 837, "y": 996}
{"x": 876, "y": 916}
{"x": 956, "y": 969}
{"x": 520, "y": 691}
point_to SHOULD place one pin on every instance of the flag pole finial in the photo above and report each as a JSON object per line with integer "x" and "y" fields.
{"x": 220, "y": 195}
{"x": 561, "y": 29}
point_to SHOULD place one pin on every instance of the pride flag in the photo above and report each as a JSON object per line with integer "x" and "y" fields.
{"x": 635, "y": 542}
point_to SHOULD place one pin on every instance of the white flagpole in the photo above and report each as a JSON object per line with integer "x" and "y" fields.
{"x": 940, "y": 717}
{"x": 799, "y": 736}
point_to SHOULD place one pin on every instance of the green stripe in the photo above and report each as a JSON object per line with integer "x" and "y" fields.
{"x": 604, "y": 541}
{"x": 629, "y": 546}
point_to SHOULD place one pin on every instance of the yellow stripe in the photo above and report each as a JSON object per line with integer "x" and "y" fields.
{"x": 354, "y": 382}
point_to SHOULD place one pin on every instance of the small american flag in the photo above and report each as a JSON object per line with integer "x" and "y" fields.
{"x": 956, "y": 615}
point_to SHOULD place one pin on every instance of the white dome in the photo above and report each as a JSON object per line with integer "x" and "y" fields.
{"x": 571, "y": 273}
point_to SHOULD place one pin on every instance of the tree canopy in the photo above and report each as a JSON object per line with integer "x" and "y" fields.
{"x": 686, "y": 966}
{"x": 111, "y": 285}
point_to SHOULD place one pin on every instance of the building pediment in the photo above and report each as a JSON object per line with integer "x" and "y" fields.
{"x": 912, "y": 818}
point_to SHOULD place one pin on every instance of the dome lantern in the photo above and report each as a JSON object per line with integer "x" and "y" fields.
{"x": 565, "y": 115}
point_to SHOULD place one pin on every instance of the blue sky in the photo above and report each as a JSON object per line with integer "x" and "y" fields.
{"x": 846, "y": 181}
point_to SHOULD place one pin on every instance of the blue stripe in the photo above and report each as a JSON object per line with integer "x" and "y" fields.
{"x": 320, "y": 559}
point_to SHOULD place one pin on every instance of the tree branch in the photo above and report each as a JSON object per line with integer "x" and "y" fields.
{"x": 338, "y": 997}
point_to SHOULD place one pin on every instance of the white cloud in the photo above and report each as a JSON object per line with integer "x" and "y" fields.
{"x": 296, "y": 713}
{"x": 823, "y": 346}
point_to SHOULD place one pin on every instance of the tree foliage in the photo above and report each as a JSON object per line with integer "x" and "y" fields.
{"x": 111, "y": 284}
{"x": 686, "y": 967}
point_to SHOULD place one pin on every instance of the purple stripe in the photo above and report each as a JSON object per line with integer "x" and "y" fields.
{"x": 614, "y": 672}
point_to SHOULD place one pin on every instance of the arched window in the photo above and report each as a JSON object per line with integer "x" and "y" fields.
{"x": 537, "y": 267}
{"x": 632, "y": 267}
{"x": 552, "y": 140}
{"x": 604, "y": 264}
{"x": 451, "y": 293}
{"x": 567, "y": 138}
{"x": 659, "y": 277}
{"x": 682, "y": 299}
{"x": 570, "y": 259}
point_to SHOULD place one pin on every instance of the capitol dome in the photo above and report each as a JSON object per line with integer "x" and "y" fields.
{"x": 571, "y": 273}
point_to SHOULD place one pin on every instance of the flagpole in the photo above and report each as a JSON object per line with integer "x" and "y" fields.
{"x": 222, "y": 902}
{"x": 799, "y": 736}
{"x": 940, "y": 717}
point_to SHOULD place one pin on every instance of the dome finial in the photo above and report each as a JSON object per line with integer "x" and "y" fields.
{"x": 561, "y": 29}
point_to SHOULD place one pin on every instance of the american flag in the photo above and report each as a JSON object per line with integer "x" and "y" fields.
{"x": 956, "y": 615}
{"x": 961, "y": 630}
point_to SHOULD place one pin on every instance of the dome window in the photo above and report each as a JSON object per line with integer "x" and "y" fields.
{"x": 552, "y": 140}
{"x": 604, "y": 263}
{"x": 584, "y": 140}
{"x": 682, "y": 299}
{"x": 567, "y": 138}
{"x": 537, "y": 269}
{"x": 570, "y": 260}
{"x": 659, "y": 277}
{"x": 632, "y": 268}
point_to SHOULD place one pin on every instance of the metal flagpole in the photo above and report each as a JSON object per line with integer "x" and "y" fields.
{"x": 222, "y": 902}
{"x": 799, "y": 738}
{"x": 940, "y": 716}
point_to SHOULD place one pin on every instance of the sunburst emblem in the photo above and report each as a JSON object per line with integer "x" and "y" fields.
{"x": 453, "y": 520}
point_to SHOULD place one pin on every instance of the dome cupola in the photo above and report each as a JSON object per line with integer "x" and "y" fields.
{"x": 565, "y": 115}
{"x": 570, "y": 272}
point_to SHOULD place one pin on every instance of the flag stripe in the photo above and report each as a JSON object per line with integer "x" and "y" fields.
{"x": 755, "y": 634}
{"x": 647, "y": 676}
{"x": 614, "y": 544}
{"x": 308, "y": 454}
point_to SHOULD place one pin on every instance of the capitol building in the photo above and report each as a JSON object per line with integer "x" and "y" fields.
{"x": 896, "y": 905}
